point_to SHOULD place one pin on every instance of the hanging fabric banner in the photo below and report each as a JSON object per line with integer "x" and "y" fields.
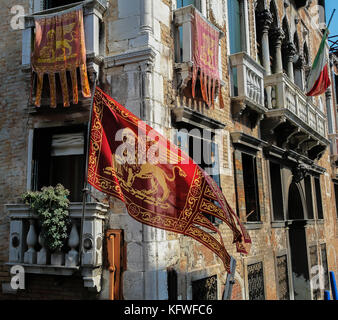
{"x": 205, "y": 58}
{"x": 160, "y": 185}
{"x": 59, "y": 47}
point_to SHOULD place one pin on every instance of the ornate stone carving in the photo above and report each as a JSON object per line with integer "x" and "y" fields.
{"x": 290, "y": 50}
{"x": 278, "y": 35}
{"x": 300, "y": 172}
{"x": 264, "y": 19}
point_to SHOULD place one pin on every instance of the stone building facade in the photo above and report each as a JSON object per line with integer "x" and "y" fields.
{"x": 277, "y": 173}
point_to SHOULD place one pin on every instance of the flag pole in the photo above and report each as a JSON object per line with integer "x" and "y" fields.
{"x": 85, "y": 184}
{"x": 334, "y": 10}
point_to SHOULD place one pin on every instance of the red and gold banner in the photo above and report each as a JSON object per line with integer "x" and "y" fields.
{"x": 159, "y": 184}
{"x": 205, "y": 58}
{"x": 60, "y": 47}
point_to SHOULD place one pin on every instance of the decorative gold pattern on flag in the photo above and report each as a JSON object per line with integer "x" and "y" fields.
{"x": 60, "y": 47}
{"x": 170, "y": 195}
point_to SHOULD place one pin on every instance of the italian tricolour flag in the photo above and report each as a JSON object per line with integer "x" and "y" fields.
{"x": 319, "y": 79}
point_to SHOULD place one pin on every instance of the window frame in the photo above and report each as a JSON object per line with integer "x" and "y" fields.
{"x": 256, "y": 186}
{"x": 274, "y": 218}
{"x": 42, "y": 158}
{"x": 187, "y": 146}
{"x": 319, "y": 198}
{"x": 196, "y": 3}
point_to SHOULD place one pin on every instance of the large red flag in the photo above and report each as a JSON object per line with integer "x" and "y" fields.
{"x": 159, "y": 184}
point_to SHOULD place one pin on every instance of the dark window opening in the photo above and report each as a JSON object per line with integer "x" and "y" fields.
{"x": 308, "y": 195}
{"x": 295, "y": 205}
{"x": 276, "y": 190}
{"x": 318, "y": 199}
{"x": 59, "y": 157}
{"x": 336, "y": 196}
{"x": 49, "y": 4}
{"x": 250, "y": 187}
{"x": 172, "y": 284}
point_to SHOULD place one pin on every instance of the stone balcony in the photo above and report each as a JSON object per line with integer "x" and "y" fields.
{"x": 27, "y": 249}
{"x": 294, "y": 122}
{"x": 183, "y": 22}
{"x": 247, "y": 91}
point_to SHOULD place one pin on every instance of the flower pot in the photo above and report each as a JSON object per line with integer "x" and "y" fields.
{"x": 57, "y": 258}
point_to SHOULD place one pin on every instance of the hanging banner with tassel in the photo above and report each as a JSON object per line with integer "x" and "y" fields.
{"x": 60, "y": 47}
{"x": 205, "y": 58}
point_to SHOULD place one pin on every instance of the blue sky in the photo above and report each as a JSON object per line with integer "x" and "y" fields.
{"x": 329, "y": 6}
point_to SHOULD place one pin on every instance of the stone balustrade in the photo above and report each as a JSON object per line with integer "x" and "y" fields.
{"x": 247, "y": 81}
{"x": 286, "y": 95}
{"x": 27, "y": 247}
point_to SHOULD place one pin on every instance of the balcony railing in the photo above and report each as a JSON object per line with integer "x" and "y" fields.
{"x": 26, "y": 247}
{"x": 92, "y": 11}
{"x": 287, "y": 96}
{"x": 247, "y": 81}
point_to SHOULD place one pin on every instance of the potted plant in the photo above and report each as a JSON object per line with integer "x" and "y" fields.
{"x": 51, "y": 207}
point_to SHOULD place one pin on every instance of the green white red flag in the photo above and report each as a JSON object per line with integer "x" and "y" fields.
{"x": 319, "y": 79}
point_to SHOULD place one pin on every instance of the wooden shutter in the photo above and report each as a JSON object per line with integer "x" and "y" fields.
{"x": 115, "y": 262}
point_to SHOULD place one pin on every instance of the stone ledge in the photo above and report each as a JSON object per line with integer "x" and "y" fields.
{"x": 46, "y": 269}
{"x": 253, "y": 225}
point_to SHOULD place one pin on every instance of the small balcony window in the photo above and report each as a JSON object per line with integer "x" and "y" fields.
{"x": 58, "y": 157}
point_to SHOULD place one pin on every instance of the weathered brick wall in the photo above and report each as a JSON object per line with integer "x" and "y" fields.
{"x": 13, "y": 124}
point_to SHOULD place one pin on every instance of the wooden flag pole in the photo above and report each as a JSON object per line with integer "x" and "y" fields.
{"x": 85, "y": 184}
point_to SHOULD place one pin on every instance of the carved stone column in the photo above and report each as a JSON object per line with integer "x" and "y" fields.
{"x": 264, "y": 19}
{"x": 300, "y": 66}
{"x": 331, "y": 117}
{"x": 146, "y": 16}
{"x": 278, "y": 35}
{"x": 290, "y": 50}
